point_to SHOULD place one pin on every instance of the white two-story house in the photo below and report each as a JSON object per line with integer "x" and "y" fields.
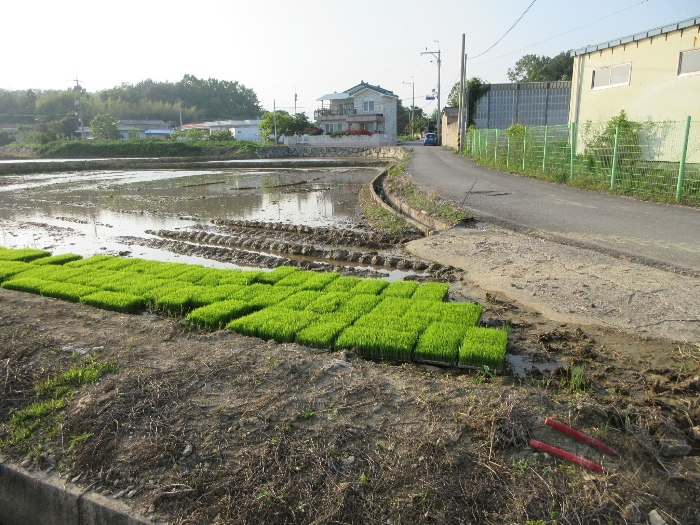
{"x": 363, "y": 106}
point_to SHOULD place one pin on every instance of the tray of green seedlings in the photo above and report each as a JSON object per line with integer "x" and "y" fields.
{"x": 431, "y": 292}
{"x": 359, "y": 305}
{"x": 217, "y": 315}
{"x": 251, "y": 324}
{"x": 25, "y": 284}
{"x": 439, "y": 344}
{"x": 329, "y": 302}
{"x": 8, "y": 269}
{"x": 180, "y": 300}
{"x": 370, "y": 286}
{"x": 343, "y": 284}
{"x": 318, "y": 281}
{"x": 270, "y": 297}
{"x": 277, "y": 274}
{"x": 483, "y": 347}
{"x": 215, "y": 294}
{"x": 22, "y": 254}
{"x": 116, "y": 301}
{"x": 323, "y": 332}
{"x": 58, "y": 259}
{"x": 378, "y": 342}
{"x": 300, "y": 300}
{"x": 67, "y": 292}
{"x": 285, "y": 324}
{"x": 403, "y": 289}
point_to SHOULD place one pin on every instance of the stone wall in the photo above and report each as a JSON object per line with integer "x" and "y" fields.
{"x": 278, "y": 152}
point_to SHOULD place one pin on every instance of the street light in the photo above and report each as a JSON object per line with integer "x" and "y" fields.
{"x": 436, "y": 54}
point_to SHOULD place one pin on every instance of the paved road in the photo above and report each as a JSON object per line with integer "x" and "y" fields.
{"x": 663, "y": 235}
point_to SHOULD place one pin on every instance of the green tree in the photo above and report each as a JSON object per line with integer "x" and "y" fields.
{"x": 474, "y": 88}
{"x": 6, "y": 137}
{"x": 286, "y": 124}
{"x": 534, "y": 68}
{"x": 221, "y": 136}
{"x": 104, "y": 127}
{"x": 189, "y": 134}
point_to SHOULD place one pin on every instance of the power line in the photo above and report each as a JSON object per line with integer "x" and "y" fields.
{"x": 509, "y": 29}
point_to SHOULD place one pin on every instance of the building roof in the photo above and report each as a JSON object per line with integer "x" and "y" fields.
{"x": 135, "y": 122}
{"x": 158, "y": 131}
{"x": 364, "y": 85}
{"x": 690, "y": 22}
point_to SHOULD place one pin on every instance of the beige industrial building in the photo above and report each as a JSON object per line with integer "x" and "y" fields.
{"x": 653, "y": 76}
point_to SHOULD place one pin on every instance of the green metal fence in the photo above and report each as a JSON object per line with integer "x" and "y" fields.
{"x": 652, "y": 160}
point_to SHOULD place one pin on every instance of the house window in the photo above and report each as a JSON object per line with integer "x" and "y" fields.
{"x": 368, "y": 126}
{"x": 611, "y": 76}
{"x": 331, "y": 127}
{"x": 368, "y": 104}
{"x": 689, "y": 62}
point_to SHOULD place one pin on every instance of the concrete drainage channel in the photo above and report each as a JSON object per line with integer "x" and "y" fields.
{"x": 38, "y": 498}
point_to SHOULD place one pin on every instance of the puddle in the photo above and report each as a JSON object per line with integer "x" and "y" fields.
{"x": 521, "y": 365}
{"x": 99, "y": 212}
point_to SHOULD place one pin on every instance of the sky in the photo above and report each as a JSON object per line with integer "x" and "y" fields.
{"x": 309, "y": 47}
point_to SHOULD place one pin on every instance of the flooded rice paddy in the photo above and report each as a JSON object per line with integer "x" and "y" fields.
{"x": 180, "y": 215}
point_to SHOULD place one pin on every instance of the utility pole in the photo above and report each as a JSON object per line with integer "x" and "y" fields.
{"x": 460, "y": 119}
{"x": 413, "y": 100}
{"x": 180, "y": 104}
{"x": 436, "y": 54}
{"x": 274, "y": 117}
{"x": 80, "y": 107}
{"x": 295, "y": 101}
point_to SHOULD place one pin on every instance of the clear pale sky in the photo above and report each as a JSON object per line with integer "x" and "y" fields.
{"x": 312, "y": 46}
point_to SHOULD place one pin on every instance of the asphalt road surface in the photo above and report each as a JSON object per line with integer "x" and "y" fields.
{"x": 663, "y": 235}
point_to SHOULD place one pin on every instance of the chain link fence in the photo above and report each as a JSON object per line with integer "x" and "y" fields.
{"x": 651, "y": 160}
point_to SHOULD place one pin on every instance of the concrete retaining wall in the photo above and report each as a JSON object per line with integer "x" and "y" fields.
{"x": 276, "y": 152}
{"x": 42, "y": 499}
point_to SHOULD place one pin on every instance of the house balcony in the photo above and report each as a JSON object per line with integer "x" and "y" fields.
{"x": 333, "y": 113}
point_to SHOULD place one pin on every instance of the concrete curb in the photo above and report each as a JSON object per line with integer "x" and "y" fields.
{"x": 42, "y": 499}
{"x": 416, "y": 218}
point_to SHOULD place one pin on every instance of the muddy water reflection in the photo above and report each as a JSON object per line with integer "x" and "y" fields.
{"x": 86, "y": 213}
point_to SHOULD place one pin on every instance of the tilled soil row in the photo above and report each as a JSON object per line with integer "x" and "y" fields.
{"x": 323, "y": 234}
{"x": 243, "y": 257}
{"x": 338, "y": 254}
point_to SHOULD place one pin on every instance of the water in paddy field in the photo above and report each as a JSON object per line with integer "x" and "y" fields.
{"x": 87, "y": 212}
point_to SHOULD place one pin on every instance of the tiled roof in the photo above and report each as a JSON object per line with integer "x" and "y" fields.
{"x": 364, "y": 85}
{"x": 690, "y": 22}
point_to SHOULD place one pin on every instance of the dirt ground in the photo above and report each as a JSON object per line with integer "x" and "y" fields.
{"x": 204, "y": 427}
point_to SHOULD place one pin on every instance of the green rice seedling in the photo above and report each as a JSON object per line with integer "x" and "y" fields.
{"x": 440, "y": 343}
{"x": 25, "y": 284}
{"x": 370, "y": 286}
{"x": 247, "y": 277}
{"x": 403, "y": 289}
{"x": 295, "y": 279}
{"x": 89, "y": 261}
{"x": 142, "y": 285}
{"x": 116, "y": 264}
{"x": 322, "y": 332}
{"x": 318, "y": 281}
{"x": 180, "y": 300}
{"x": 431, "y": 292}
{"x": 396, "y": 306}
{"x": 377, "y": 342}
{"x": 22, "y": 254}
{"x": 248, "y": 293}
{"x": 211, "y": 277}
{"x": 217, "y": 315}
{"x": 359, "y": 305}
{"x": 393, "y": 322}
{"x": 252, "y": 323}
{"x": 51, "y": 272}
{"x": 300, "y": 300}
{"x": 483, "y": 347}
{"x": 143, "y": 266}
{"x": 271, "y": 297}
{"x": 66, "y": 291}
{"x": 342, "y": 284}
{"x": 276, "y": 275}
{"x": 215, "y": 294}
{"x": 172, "y": 270}
{"x": 193, "y": 275}
{"x": 11, "y": 268}
{"x": 58, "y": 259}
{"x": 118, "y": 302}
{"x": 460, "y": 313}
{"x": 284, "y": 326}
{"x": 329, "y": 302}
{"x": 94, "y": 277}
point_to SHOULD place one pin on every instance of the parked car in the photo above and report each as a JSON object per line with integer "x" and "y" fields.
{"x": 430, "y": 139}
